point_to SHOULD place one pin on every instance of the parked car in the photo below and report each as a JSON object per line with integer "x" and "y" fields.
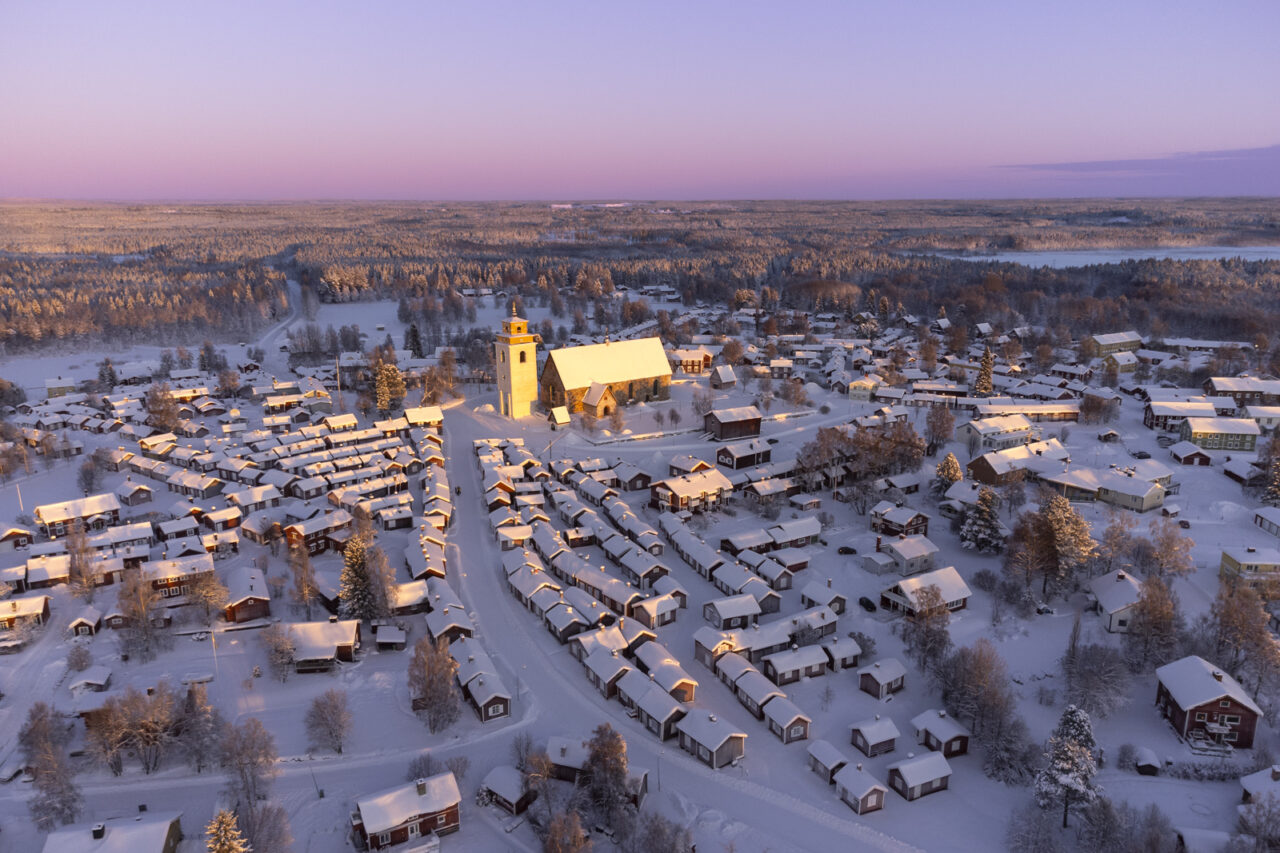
{"x": 1044, "y": 610}
{"x": 846, "y": 549}
{"x": 1184, "y": 524}
{"x": 1140, "y": 454}
{"x": 867, "y": 604}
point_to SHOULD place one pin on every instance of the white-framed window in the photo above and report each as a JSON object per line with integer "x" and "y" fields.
{"x": 440, "y": 819}
{"x": 1225, "y": 703}
{"x": 1230, "y": 719}
{"x": 797, "y": 731}
{"x": 1201, "y": 716}
{"x": 384, "y": 838}
{"x": 1231, "y": 736}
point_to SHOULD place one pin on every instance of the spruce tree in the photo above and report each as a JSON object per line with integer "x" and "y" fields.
{"x": 1271, "y": 497}
{"x": 355, "y": 591}
{"x": 1067, "y": 777}
{"x": 981, "y": 530}
{"x": 223, "y": 835}
{"x": 948, "y": 474}
{"x": 982, "y": 385}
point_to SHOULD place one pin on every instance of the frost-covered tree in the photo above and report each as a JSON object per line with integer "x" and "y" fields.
{"x": 947, "y": 473}
{"x": 981, "y": 530}
{"x": 432, "y": 671}
{"x": 1271, "y": 495}
{"x": 925, "y": 630}
{"x": 1067, "y": 776}
{"x": 304, "y": 590}
{"x": 356, "y": 598}
{"x": 388, "y": 386}
{"x": 1170, "y": 550}
{"x": 329, "y": 720}
{"x": 939, "y": 427}
{"x": 222, "y": 835}
{"x": 278, "y": 644}
{"x": 162, "y": 409}
{"x": 1155, "y": 627}
{"x": 57, "y": 799}
{"x": 200, "y": 735}
{"x": 606, "y": 771}
{"x": 982, "y": 385}
{"x": 566, "y": 835}
{"x": 1097, "y": 679}
{"x": 250, "y": 759}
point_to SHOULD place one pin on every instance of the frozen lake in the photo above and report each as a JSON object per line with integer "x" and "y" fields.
{"x": 1084, "y": 257}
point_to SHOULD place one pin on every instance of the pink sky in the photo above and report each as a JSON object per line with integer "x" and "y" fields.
{"x": 248, "y": 100}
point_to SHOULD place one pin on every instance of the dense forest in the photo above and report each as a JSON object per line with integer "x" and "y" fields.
{"x": 158, "y": 272}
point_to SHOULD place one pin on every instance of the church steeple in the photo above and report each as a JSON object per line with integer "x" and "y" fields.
{"x": 516, "y": 357}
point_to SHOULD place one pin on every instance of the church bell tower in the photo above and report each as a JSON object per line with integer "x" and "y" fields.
{"x": 516, "y": 356}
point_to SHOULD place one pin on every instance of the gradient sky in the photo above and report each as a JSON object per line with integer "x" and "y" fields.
{"x": 651, "y": 100}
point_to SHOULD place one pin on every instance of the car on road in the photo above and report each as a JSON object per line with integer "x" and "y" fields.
{"x": 867, "y": 604}
{"x": 1140, "y": 454}
{"x": 846, "y": 549}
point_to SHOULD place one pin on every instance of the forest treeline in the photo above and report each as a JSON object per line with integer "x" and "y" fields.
{"x": 154, "y": 272}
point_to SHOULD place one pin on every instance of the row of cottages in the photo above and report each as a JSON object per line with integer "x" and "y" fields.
{"x": 763, "y": 698}
{"x": 415, "y": 812}
{"x": 629, "y": 371}
{"x": 483, "y": 688}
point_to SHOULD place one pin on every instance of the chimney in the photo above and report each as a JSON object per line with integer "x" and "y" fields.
{"x": 877, "y": 544}
{"x": 828, "y": 583}
{"x": 877, "y": 716}
{"x": 942, "y": 714}
{"x": 1275, "y": 772}
{"x": 1217, "y": 675}
{"x": 99, "y": 830}
{"x": 422, "y": 787}
{"x": 333, "y": 618}
{"x": 859, "y": 766}
{"x": 1120, "y": 575}
{"x": 712, "y": 717}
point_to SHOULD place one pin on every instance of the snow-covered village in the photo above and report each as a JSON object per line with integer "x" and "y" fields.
{"x": 712, "y": 427}
{"x": 892, "y": 582}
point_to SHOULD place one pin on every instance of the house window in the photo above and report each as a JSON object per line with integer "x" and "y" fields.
{"x": 797, "y": 731}
{"x": 1225, "y": 703}
{"x": 440, "y": 819}
{"x": 494, "y": 710}
{"x": 384, "y": 838}
{"x": 1230, "y": 720}
{"x": 1231, "y": 736}
{"x": 1201, "y": 716}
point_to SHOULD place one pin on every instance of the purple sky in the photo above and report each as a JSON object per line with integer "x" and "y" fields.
{"x": 270, "y": 99}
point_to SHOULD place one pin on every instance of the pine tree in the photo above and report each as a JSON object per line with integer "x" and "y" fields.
{"x": 607, "y": 770}
{"x": 981, "y": 530}
{"x": 107, "y": 375}
{"x": 1067, "y": 538}
{"x": 223, "y": 835}
{"x": 1067, "y": 777}
{"x": 948, "y": 474}
{"x": 982, "y": 386}
{"x": 355, "y": 591}
{"x": 1271, "y": 497}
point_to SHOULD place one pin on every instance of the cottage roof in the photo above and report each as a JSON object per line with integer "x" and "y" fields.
{"x": 708, "y": 730}
{"x": 320, "y": 640}
{"x": 1116, "y": 590}
{"x": 784, "y": 712}
{"x": 922, "y": 768}
{"x": 948, "y": 581}
{"x": 884, "y": 671}
{"x": 856, "y": 781}
{"x": 1193, "y": 681}
{"x": 505, "y": 782}
{"x": 939, "y": 724}
{"x": 825, "y": 754}
{"x": 877, "y": 729}
{"x": 392, "y": 807}
{"x": 143, "y": 832}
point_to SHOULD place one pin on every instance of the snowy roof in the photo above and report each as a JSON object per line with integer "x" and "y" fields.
{"x": 139, "y": 834}
{"x": 912, "y": 547}
{"x": 877, "y": 729}
{"x": 1116, "y": 590}
{"x": 78, "y": 508}
{"x": 392, "y": 807}
{"x": 1223, "y": 426}
{"x": 884, "y": 671}
{"x": 942, "y": 726}
{"x": 615, "y": 361}
{"x": 320, "y": 640}
{"x": 856, "y": 781}
{"x": 825, "y": 754}
{"x": 708, "y": 730}
{"x": 1193, "y": 681}
{"x": 922, "y": 768}
{"x": 948, "y": 581}
{"x": 736, "y": 606}
{"x": 505, "y": 781}
{"x": 783, "y": 711}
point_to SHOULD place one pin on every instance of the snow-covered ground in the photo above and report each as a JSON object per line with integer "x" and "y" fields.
{"x": 771, "y": 801}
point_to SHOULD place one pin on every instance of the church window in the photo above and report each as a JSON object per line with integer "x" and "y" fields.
{"x": 522, "y": 357}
